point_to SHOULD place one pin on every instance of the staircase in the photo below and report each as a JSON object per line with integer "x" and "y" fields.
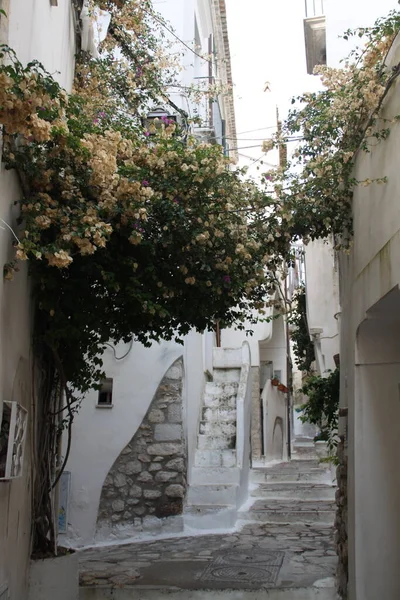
{"x": 299, "y": 491}
{"x": 216, "y": 483}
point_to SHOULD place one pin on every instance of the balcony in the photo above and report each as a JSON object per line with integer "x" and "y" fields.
{"x": 210, "y": 125}
{"x": 315, "y": 34}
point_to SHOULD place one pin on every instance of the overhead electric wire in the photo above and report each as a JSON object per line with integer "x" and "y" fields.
{"x": 174, "y": 34}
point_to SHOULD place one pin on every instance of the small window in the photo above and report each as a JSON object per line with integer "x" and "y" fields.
{"x": 104, "y": 398}
{"x": 12, "y": 440}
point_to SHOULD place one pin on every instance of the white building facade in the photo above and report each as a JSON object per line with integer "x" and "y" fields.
{"x": 22, "y": 29}
{"x": 361, "y": 293}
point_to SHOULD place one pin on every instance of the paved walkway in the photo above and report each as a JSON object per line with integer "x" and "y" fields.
{"x": 285, "y": 542}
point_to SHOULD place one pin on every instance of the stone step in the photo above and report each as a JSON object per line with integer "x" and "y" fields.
{"x": 215, "y": 458}
{"x": 293, "y": 465}
{"x": 211, "y": 413}
{"x": 221, "y": 475}
{"x": 210, "y": 442}
{"x": 206, "y": 495}
{"x": 218, "y": 428}
{"x": 304, "y": 451}
{"x": 227, "y": 402}
{"x": 311, "y": 475}
{"x": 291, "y": 511}
{"x": 202, "y": 517}
{"x": 295, "y": 491}
{"x": 107, "y": 591}
{"x": 226, "y": 375}
{"x": 227, "y": 388}
{"x": 301, "y": 439}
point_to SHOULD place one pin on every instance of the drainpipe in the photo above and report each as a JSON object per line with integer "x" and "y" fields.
{"x": 288, "y": 382}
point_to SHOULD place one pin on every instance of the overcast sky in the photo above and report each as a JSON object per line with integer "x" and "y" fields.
{"x": 267, "y": 45}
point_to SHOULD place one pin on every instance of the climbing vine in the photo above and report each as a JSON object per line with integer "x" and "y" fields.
{"x": 138, "y": 230}
{"x": 315, "y": 188}
{"x": 131, "y": 229}
{"x": 303, "y": 347}
{"x": 322, "y": 407}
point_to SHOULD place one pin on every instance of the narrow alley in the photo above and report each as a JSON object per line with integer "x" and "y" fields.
{"x": 282, "y": 544}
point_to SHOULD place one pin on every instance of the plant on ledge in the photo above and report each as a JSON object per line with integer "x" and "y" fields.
{"x": 322, "y": 408}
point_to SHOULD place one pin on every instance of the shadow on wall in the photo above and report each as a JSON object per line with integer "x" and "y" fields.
{"x": 274, "y": 422}
{"x": 374, "y": 517}
{"x": 149, "y": 476}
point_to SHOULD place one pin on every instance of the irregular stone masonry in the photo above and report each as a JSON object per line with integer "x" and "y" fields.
{"x": 256, "y": 443}
{"x": 149, "y": 476}
{"x": 341, "y": 522}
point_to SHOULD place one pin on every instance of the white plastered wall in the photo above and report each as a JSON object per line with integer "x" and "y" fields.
{"x": 35, "y": 30}
{"x": 323, "y": 307}
{"x": 369, "y": 379}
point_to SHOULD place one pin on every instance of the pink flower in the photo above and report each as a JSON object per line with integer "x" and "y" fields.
{"x": 145, "y": 183}
{"x": 147, "y": 133}
{"x": 227, "y": 279}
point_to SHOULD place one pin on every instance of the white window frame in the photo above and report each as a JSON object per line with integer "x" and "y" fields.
{"x": 16, "y": 440}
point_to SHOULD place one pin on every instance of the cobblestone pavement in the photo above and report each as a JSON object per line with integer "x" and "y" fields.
{"x": 258, "y": 556}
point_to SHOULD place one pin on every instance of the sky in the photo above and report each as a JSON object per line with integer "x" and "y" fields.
{"x": 267, "y": 45}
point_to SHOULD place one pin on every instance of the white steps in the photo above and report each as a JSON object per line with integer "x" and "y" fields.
{"x": 215, "y": 477}
{"x": 218, "y": 475}
{"x": 215, "y": 458}
{"x": 291, "y": 511}
{"x": 299, "y": 490}
{"x": 226, "y": 375}
{"x": 225, "y": 495}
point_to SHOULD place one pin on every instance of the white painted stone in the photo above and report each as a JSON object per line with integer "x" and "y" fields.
{"x": 212, "y": 495}
{"x": 226, "y": 375}
{"x": 224, "y": 358}
{"x": 164, "y": 449}
{"x": 166, "y": 432}
{"x": 210, "y": 475}
{"x": 229, "y": 458}
{"x": 206, "y": 458}
{"x": 174, "y": 372}
{"x": 54, "y": 578}
{"x": 212, "y": 443}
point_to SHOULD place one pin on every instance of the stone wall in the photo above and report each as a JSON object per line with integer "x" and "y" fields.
{"x": 149, "y": 476}
{"x": 256, "y": 443}
{"x": 341, "y": 522}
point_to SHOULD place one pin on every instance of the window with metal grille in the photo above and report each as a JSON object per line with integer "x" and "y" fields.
{"x": 105, "y": 396}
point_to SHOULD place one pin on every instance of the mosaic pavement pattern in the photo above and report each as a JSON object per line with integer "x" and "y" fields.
{"x": 259, "y": 556}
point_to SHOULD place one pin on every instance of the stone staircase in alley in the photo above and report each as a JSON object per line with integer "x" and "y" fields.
{"x": 299, "y": 491}
{"x": 212, "y": 497}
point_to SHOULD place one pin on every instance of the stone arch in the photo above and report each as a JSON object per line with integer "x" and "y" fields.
{"x": 277, "y": 439}
{"x": 149, "y": 476}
